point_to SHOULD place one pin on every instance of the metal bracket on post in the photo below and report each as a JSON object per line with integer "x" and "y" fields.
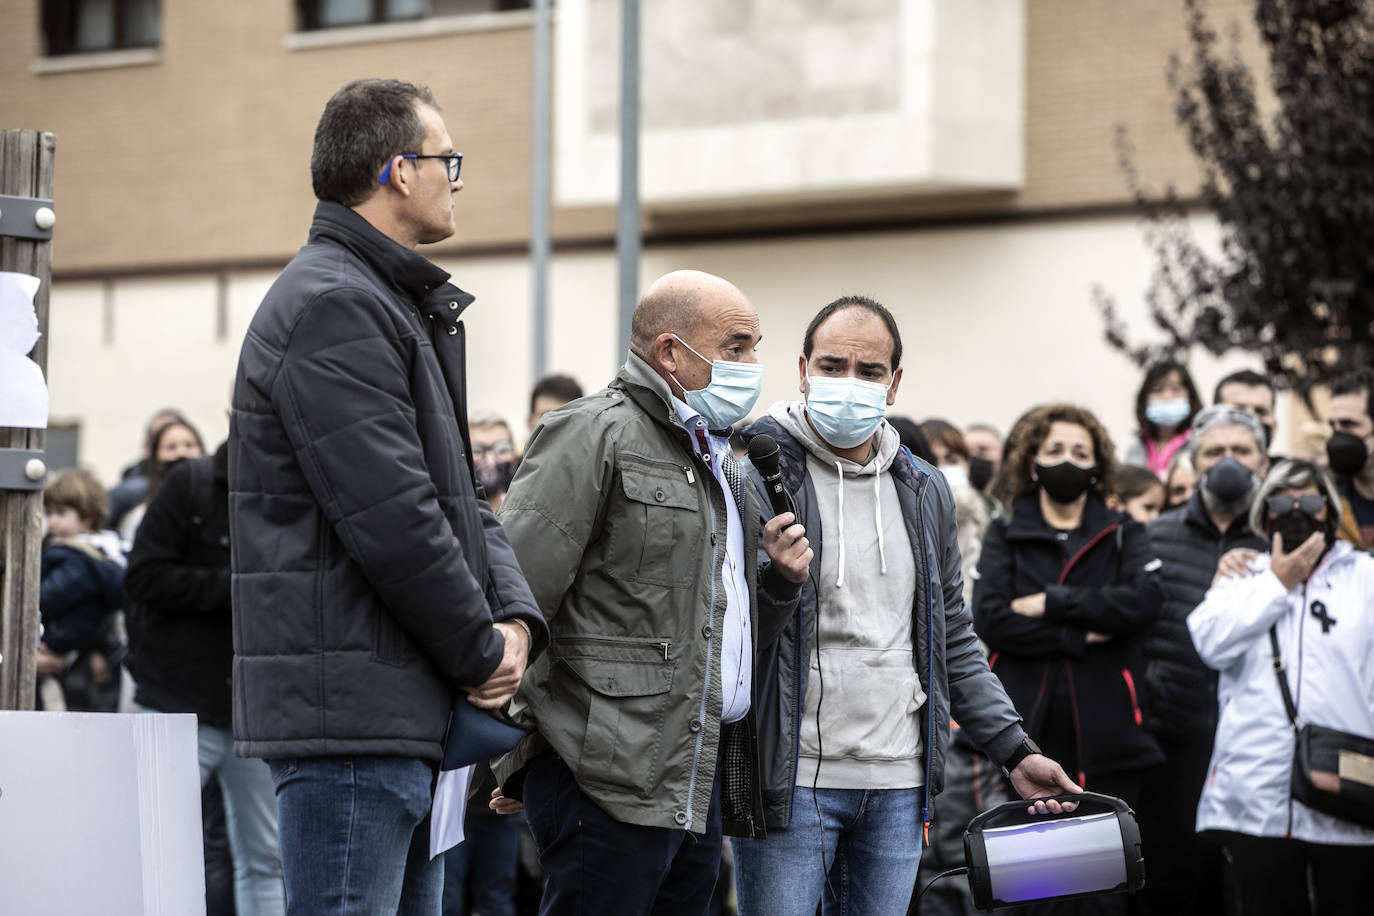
{"x": 26, "y": 217}
{"x": 22, "y": 469}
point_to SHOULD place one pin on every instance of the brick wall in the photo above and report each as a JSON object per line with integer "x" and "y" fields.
{"x": 201, "y": 158}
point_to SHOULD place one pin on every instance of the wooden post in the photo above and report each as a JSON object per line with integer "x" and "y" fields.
{"x": 26, "y": 170}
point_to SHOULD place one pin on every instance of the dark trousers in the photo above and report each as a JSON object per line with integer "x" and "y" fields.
{"x": 1272, "y": 876}
{"x": 596, "y": 864}
{"x": 1184, "y": 870}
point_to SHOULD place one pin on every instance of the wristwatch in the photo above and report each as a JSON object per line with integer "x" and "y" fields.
{"x": 1023, "y": 750}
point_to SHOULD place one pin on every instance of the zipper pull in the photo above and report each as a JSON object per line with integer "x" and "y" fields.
{"x": 690, "y": 477}
{"x": 665, "y": 650}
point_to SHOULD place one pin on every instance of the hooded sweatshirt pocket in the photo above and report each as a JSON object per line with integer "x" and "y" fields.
{"x": 868, "y": 700}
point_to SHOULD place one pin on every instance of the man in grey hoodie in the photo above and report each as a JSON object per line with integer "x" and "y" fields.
{"x": 852, "y": 745}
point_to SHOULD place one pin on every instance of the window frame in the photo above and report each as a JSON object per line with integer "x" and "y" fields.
{"x": 58, "y": 20}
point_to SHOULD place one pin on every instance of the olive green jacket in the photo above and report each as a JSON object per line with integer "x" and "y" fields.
{"x": 620, "y": 531}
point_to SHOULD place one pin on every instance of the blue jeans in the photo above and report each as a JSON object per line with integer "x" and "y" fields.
{"x": 250, "y": 814}
{"x": 859, "y": 855}
{"x": 355, "y": 836}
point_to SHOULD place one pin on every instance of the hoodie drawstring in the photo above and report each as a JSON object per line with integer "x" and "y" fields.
{"x": 877, "y": 522}
{"x": 839, "y": 579}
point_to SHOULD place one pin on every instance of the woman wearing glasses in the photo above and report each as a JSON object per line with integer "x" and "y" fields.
{"x": 1315, "y": 594}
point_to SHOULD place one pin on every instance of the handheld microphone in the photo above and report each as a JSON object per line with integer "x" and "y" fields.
{"x": 763, "y": 452}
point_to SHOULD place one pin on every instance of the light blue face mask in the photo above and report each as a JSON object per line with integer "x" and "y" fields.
{"x": 731, "y": 394}
{"x": 845, "y": 411}
{"x": 1167, "y": 413}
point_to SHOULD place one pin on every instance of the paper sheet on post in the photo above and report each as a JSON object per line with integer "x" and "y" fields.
{"x": 23, "y": 392}
{"x": 446, "y": 814}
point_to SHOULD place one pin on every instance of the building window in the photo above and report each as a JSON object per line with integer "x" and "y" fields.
{"x": 330, "y": 14}
{"x": 84, "y": 26}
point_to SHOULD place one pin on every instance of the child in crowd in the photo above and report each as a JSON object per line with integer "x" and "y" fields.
{"x": 1139, "y": 493}
{"x": 81, "y": 590}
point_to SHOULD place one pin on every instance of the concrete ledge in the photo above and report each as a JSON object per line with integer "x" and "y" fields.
{"x": 96, "y": 60}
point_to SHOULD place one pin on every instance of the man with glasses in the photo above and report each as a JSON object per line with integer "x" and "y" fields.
{"x": 370, "y": 583}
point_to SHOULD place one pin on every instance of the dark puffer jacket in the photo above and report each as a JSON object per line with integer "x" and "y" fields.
{"x": 1081, "y": 701}
{"x": 178, "y": 615}
{"x": 367, "y": 571}
{"x": 1181, "y": 702}
{"x": 78, "y": 588}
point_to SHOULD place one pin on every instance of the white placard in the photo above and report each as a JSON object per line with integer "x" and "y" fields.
{"x": 100, "y": 814}
{"x": 23, "y": 392}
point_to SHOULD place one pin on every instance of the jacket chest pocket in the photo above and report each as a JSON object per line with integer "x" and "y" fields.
{"x": 655, "y": 536}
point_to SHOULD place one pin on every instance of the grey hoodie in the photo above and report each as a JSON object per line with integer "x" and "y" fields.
{"x": 864, "y": 683}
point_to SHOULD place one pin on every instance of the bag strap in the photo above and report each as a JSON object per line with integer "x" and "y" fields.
{"x": 1288, "y": 703}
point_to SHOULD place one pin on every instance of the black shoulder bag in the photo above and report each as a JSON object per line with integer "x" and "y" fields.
{"x": 1333, "y": 771}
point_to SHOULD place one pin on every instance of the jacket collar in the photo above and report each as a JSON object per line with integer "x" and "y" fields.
{"x": 411, "y": 273}
{"x": 1027, "y": 522}
{"x": 1195, "y": 514}
{"x": 648, "y": 389}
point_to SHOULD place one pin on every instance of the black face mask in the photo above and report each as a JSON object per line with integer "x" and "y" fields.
{"x": 1064, "y": 482}
{"x": 1295, "y": 528}
{"x": 1346, "y": 453}
{"x": 495, "y": 477}
{"x": 979, "y": 472}
{"x": 1228, "y": 482}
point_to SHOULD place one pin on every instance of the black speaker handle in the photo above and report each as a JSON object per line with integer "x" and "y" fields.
{"x": 1001, "y": 816}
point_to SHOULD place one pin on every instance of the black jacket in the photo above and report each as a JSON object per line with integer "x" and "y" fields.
{"x": 178, "y": 611}
{"x": 367, "y": 571}
{"x": 1081, "y": 702}
{"x": 78, "y": 589}
{"x": 1181, "y": 690}
{"x": 949, "y": 662}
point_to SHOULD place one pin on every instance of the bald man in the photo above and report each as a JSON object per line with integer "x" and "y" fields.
{"x": 641, "y": 546}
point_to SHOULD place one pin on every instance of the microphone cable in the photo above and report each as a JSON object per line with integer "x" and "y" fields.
{"x": 961, "y": 870}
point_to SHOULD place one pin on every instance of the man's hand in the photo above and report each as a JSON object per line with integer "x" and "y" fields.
{"x": 503, "y": 683}
{"x": 787, "y": 546}
{"x": 502, "y": 805}
{"x": 1235, "y": 564}
{"x": 1039, "y": 777}
{"x": 1030, "y": 605}
{"x": 1292, "y": 568}
{"x": 49, "y": 663}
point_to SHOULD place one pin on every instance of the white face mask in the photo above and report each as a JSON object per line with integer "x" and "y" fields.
{"x": 955, "y": 474}
{"x": 731, "y": 393}
{"x": 845, "y": 411}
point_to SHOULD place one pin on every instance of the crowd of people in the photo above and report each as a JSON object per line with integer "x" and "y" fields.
{"x": 802, "y": 675}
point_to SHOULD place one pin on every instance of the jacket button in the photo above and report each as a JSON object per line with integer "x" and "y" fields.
{"x": 706, "y": 631}
{"x": 680, "y": 817}
{"x": 660, "y": 495}
{"x": 453, "y": 306}
{"x": 452, "y": 330}
{"x": 694, "y": 726}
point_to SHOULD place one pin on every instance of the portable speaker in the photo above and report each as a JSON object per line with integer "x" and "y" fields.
{"x": 1014, "y": 856}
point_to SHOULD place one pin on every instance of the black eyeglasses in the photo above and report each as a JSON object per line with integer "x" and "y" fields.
{"x": 1281, "y": 505}
{"x": 453, "y": 161}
